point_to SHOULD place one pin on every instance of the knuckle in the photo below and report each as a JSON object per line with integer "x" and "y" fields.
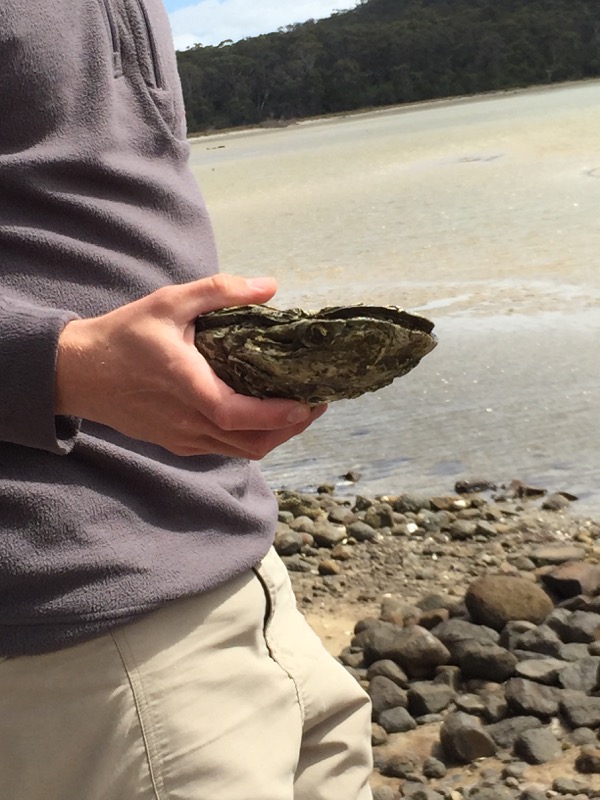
{"x": 162, "y": 299}
{"x": 223, "y": 284}
{"x": 222, "y": 418}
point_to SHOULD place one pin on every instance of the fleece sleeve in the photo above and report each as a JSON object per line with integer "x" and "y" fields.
{"x": 28, "y": 345}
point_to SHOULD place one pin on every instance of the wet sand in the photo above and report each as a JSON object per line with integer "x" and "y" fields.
{"x": 483, "y": 215}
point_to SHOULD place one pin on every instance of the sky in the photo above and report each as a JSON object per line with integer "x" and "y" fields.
{"x": 210, "y": 22}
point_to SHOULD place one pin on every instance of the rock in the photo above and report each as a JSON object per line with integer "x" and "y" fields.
{"x": 399, "y": 765}
{"x": 557, "y": 554}
{"x": 341, "y": 515}
{"x": 582, "y": 675}
{"x": 588, "y": 761}
{"x": 396, "y": 720}
{"x": 464, "y": 739}
{"x": 541, "y": 639}
{"x": 385, "y": 694}
{"x": 495, "y": 600}
{"x": 506, "y": 732}
{"x": 414, "y": 791}
{"x": 433, "y": 768}
{"x": 474, "y": 486}
{"x": 287, "y": 542}
{"x": 556, "y": 502}
{"x": 380, "y": 515}
{"x": 542, "y": 670}
{"x": 411, "y": 503}
{"x": 414, "y": 649}
{"x": 462, "y": 529}
{"x": 299, "y": 504}
{"x": 388, "y": 669}
{"x": 580, "y": 711}
{"x": 378, "y": 735}
{"x": 573, "y": 578}
{"x": 537, "y": 746}
{"x": 361, "y": 531}
{"x": 584, "y": 628}
{"x": 528, "y": 697}
{"x": 429, "y": 698}
{"x": 569, "y": 786}
{"x": 582, "y": 736}
{"x": 491, "y": 793}
{"x": 329, "y": 567}
{"x": 328, "y": 535}
{"x": 487, "y": 662}
{"x": 456, "y": 633}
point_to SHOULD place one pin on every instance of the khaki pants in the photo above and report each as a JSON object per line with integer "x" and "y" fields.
{"x": 224, "y": 696}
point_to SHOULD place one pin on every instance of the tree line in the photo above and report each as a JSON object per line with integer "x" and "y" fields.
{"x": 386, "y": 52}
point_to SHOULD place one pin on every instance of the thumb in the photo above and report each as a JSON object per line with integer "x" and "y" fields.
{"x": 188, "y": 300}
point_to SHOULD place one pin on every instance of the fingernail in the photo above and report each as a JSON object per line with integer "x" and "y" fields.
{"x": 260, "y": 283}
{"x": 299, "y": 414}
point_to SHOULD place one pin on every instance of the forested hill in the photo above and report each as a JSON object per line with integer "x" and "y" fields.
{"x": 390, "y": 51}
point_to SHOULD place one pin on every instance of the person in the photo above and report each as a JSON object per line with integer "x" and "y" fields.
{"x": 150, "y": 646}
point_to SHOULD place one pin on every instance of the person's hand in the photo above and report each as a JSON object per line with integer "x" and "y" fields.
{"x": 137, "y": 370}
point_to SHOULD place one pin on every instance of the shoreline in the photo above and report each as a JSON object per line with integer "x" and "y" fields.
{"x": 403, "y": 568}
{"x": 366, "y": 113}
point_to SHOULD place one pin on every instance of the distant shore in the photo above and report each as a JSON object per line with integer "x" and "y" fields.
{"x": 326, "y": 119}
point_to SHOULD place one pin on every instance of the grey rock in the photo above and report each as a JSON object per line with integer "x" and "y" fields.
{"x": 584, "y": 627}
{"x": 464, "y": 739}
{"x": 528, "y": 697}
{"x": 328, "y": 535}
{"x": 588, "y": 761}
{"x": 456, "y": 632}
{"x": 386, "y": 694}
{"x": 414, "y": 649}
{"x": 582, "y": 676}
{"x": 541, "y": 670}
{"x": 491, "y": 793}
{"x": 287, "y": 542}
{"x": 361, "y": 531}
{"x": 433, "y": 768}
{"x": 487, "y": 662}
{"x": 380, "y": 515}
{"x": 583, "y": 736}
{"x": 569, "y": 786}
{"x": 398, "y": 765}
{"x": 429, "y": 698}
{"x": 413, "y": 791}
{"x": 580, "y": 711}
{"x": 556, "y": 554}
{"x": 573, "y": 578}
{"x": 538, "y": 746}
{"x": 541, "y": 639}
{"x": 397, "y": 720}
{"x": 556, "y": 502}
{"x": 462, "y": 529}
{"x": 388, "y": 669}
{"x": 512, "y": 631}
{"x": 506, "y": 732}
{"x": 411, "y": 503}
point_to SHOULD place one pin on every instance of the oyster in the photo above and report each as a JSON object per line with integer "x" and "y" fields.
{"x": 315, "y": 357}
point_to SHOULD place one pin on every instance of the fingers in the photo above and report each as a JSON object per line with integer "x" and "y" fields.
{"x": 185, "y": 302}
{"x": 253, "y": 445}
{"x": 230, "y": 411}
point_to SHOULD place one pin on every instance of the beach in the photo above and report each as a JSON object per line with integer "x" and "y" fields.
{"x": 480, "y": 214}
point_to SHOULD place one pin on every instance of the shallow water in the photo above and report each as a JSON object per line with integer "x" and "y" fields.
{"x": 481, "y": 214}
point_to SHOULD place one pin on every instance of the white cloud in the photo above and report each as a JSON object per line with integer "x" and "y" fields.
{"x": 210, "y": 22}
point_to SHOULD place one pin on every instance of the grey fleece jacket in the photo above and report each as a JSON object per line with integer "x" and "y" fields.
{"x": 98, "y": 208}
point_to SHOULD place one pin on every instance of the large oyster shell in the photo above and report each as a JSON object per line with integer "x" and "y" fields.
{"x": 315, "y": 357}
